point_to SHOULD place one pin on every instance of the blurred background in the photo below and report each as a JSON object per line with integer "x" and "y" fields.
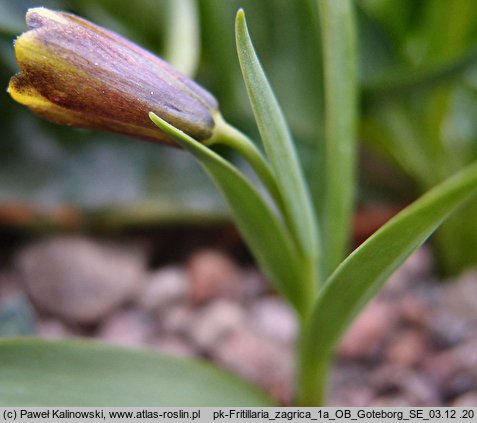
{"x": 418, "y": 102}
{"x": 66, "y": 190}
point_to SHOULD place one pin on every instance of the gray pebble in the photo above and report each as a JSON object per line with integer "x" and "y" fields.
{"x": 274, "y": 319}
{"x": 214, "y": 322}
{"x": 127, "y": 327}
{"x": 162, "y": 288}
{"x": 212, "y": 275}
{"x": 79, "y": 280}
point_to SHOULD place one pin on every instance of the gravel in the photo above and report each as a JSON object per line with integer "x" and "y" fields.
{"x": 413, "y": 345}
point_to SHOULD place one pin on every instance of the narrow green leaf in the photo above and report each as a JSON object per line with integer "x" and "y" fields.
{"x": 340, "y": 69}
{"x": 265, "y": 234}
{"x": 182, "y": 48}
{"x": 360, "y": 276}
{"x": 217, "y": 37}
{"x": 405, "y": 82}
{"x": 43, "y": 373}
{"x": 277, "y": 142}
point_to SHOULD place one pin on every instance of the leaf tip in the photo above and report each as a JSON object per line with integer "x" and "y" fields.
{"x": 155, "y": 119}
{"x": 240, "y": 18}
{"x": 166, "y": 126}
{"x": 161, "y": 123}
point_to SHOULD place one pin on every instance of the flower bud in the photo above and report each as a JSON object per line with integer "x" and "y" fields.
{"x": 79, "y": 74}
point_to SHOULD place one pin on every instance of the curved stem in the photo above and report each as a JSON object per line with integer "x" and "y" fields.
{"x": 229, "y": 136}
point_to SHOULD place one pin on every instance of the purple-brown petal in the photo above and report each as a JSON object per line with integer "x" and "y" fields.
{"x": 105, "y": 81}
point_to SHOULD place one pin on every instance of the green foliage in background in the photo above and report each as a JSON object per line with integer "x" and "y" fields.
{"x": 420, "y": 101}
{"x": 49, "y": 166}
{"x": 298, "y": 231}
{"x": 417, "y": 67}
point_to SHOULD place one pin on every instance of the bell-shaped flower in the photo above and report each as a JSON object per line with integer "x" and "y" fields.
{"x": 76, "y": 73}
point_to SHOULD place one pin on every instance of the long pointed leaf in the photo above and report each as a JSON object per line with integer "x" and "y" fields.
{"x": 265, "y": 234}
{"x": 183, "y": 36}
{"x": 277, "y": 142}
{"x": 360, "y": 276}
{"x": 340, "y": 68}
{"x": 36, "y": 372}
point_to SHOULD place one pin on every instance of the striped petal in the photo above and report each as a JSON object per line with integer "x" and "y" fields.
{"x": 76, "y": 73}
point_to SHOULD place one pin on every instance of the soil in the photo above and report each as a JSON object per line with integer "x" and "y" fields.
{"x": 415, "y": 344}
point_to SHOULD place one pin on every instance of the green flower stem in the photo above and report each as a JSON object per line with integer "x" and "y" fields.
{"x": 229, "y": 136}
{"x": 312, "y": 383}
{"x": 310, "y": 278}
